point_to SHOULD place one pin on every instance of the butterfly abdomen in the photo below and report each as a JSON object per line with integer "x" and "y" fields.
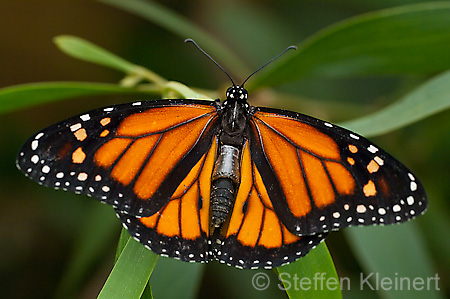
{"x": 222, "y": 200}
{"x": 225, "y": 180}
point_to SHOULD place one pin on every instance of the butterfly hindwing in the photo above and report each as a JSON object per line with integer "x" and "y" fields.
{"x": 113, "y": 153}
{"x": 322, "y": 177}
{"x": 180, "y": 228}
{"x": 255, "y": 237}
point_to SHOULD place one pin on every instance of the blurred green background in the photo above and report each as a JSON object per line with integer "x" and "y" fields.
{"x": 43, "y": 232}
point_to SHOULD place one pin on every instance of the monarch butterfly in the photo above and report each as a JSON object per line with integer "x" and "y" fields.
{"x": 197, "y": 180}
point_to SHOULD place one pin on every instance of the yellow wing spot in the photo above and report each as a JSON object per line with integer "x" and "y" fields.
{"x": 369, "y": 189}
{"x": 78, "y": 156}
{"x": 352, "y": 148}
{"x": 80, "y": 134}
{"x": 351, "y": 161}
{"x": 105, "y": 121}
{"x": 373, "y": 166}
{"x": 104, "y": 133}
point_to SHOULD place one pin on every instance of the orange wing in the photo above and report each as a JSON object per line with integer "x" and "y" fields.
{"x": 321, "y": 177}
{"x": 180, "y": 228}
{"x": 132, "y": 156}
{"x": 255, "y": 237}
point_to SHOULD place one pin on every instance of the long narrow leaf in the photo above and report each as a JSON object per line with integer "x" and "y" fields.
{"x": 430, "y": 98}
{"x": 312, "y": 276}
{"x": 182, "y": 27}
{"x": 131, "y": 272}
{"x": 406, "y": 39}
{"x": 97, "y": 234}
{"x": 395, "y": 261}
{"x": 27, "y": 95}
{"x": 176, "y": 279}
{"x": 85, "y": 50}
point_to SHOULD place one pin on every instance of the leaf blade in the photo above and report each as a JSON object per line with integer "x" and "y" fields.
{"x": 131, "y": 273}
{"x": 82, "y": 49}
{"x": 182, "y": 27}
{"x": 317, "y": 264}
{"x": 392, "y": 258}
{"x": 406, "y": 39}
{"x": 430, "y": 98}
{"x": 31, "y": 94}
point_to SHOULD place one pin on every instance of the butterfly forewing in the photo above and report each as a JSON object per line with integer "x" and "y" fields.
{"x": 321, "y": 177}
{"x": 114, "y": 153}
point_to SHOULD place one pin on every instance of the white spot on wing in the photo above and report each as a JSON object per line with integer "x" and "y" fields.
{"x": 85, "y": 117}
{"x": 45, "y": 169}
{"x": 35, "y": 159}
{"x": 82, "y": 176}
{"x": 372, "y": 149}
{"x": 361, "y": 209}
{"x": 34, "y": 145}
{"x": 379, "y": 160}
{"x": 75, "y": 127}
{"x": 410, "y": 200}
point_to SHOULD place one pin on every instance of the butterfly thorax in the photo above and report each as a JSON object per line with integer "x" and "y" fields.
{"x": 226, "y": 174}
{"x": 234, "y": 117}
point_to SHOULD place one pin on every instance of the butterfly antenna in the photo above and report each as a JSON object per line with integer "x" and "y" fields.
{"x": 262, "y": 66}
{"x": 189, "y": 40}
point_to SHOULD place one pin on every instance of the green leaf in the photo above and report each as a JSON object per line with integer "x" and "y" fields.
{"x": 405, "y": 39}
{"x": 182, "y": 27}
{"x": 93, "y": 240}
{"x": 428, "y": 99}
{"x": 183, "y": 91}
{"x": 123, "y": 240}
{"x": 85, "y": 50}
{"x": 27, "y": 95}
{"x": 312, "y": 276}
{"x": 176, "y": 279}
{"x": 131, "y": 273}
{"x": 394, "y": 254}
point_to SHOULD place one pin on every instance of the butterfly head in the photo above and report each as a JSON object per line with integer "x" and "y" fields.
{"x": 237, "y": 93}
